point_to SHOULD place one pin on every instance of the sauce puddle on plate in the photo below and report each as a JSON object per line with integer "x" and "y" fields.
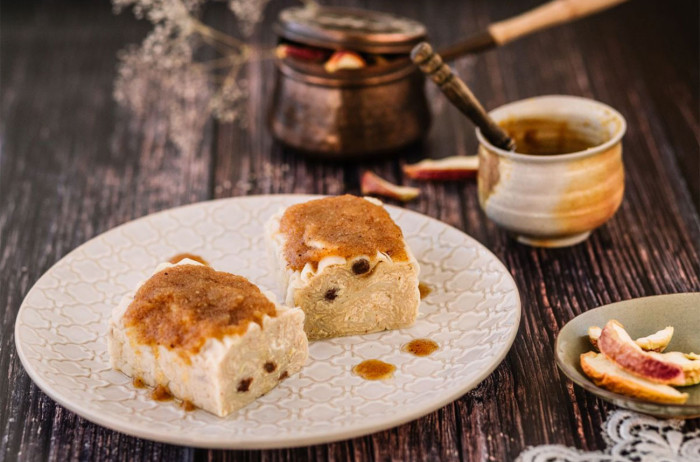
{"x": 374, "y": 369}
{"x": 424, "y": 290}
{"x": 161, "y": 393}
{"x": 420, "y": 347}
{"x": 187, "y": 406}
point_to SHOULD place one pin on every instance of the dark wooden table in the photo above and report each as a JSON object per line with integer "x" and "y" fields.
{"x": 73, "y": 164}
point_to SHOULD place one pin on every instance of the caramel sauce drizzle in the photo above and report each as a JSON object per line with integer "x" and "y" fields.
{"x": 181, "y": 256}
{"x": 420, "y": 347}
{"x": 187, "y": 406}
{"x": 350, "y": 226}
{"x": 374, "y": 369}
{"x": 183, "y": 306}
{"x": 161, "y": 393}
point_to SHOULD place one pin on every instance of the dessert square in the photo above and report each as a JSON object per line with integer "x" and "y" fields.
{"x": 344, "y": 262}
{"x": 211, "y": 338}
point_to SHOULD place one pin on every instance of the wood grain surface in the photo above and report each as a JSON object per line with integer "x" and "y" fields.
{"x": 73, "y": 164}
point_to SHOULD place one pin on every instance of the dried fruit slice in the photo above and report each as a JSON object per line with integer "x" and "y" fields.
{"x": 449, "y": 168}
{"x": 606, "y": 374}
{"x": 285, "y": 50}
{"x": 616, "y": 344}
{"x": 689, "y": 362}
{"x": 373, "y": 184}
{"x": 594, "y": 335}
{"x": 344, "y": 60}
{"x": 658, "y": 341}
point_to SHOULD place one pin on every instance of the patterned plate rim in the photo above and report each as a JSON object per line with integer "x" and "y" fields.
{"x": 338, "y": 434}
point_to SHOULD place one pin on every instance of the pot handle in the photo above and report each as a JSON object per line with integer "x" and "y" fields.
{"x": 550, "y": 14}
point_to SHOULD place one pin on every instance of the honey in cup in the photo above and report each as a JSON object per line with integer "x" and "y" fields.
{"x": 565, "y": 177}
{"x": 541, "y": 136}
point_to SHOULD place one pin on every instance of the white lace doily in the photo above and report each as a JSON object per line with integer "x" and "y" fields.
{"x": 630, "y": 437}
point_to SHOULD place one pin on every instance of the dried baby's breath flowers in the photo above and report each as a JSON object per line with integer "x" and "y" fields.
{"x": 249, "y": 13}
{"x": 166, "y": 75}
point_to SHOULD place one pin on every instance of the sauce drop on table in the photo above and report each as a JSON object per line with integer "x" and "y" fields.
{"x": 374, "y": 369}
{"x": 420, "y": 347}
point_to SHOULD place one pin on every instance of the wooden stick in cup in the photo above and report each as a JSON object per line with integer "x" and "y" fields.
{"x": 459, "y": 94}
{"x": 550, "y": 14}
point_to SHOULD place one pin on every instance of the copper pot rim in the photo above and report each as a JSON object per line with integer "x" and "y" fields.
{"x": 293, "y": 27}
{"x": 345, "y": 45}
{"x": 346, "y": 78}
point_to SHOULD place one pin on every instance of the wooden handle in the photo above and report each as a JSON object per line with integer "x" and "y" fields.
{"x": 548, "y": 15}
{"x": 473, "y": 44}
{"x": 459, "y": 94}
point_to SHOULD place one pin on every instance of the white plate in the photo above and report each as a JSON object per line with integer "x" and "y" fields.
{"x": 472, "y": 313}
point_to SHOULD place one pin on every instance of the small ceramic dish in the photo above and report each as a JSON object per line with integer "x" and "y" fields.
{"x": 641, "y": 316}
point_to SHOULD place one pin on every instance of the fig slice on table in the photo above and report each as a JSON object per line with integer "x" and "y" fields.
{"x": 616, "y": 344}
{"x": 658, "y": 341}
{"x": 344, "y": 60}
{"x": 608, "y": 375}
{"x": 449, "y": 168}
{"x": 372, "y": 184}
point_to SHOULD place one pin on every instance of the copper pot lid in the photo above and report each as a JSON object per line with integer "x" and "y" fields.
{"x": 349, "y": 28}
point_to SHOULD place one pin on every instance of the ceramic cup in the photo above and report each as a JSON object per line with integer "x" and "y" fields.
{"x": 554, "y": 200}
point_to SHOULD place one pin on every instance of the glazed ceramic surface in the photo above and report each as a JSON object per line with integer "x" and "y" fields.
{"x": 641, "y": 317}
{"x": 555, "y": 200}
{"x": 472, "y": 313}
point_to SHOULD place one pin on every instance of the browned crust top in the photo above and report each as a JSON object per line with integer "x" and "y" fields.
{"x": 182, "y": 306}
{"x": 348, "y": 226}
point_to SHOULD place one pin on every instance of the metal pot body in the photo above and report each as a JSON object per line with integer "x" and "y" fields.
{"x": 351, "y": 118}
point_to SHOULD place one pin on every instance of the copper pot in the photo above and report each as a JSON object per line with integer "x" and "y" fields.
{"x": 349, "y": 113}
